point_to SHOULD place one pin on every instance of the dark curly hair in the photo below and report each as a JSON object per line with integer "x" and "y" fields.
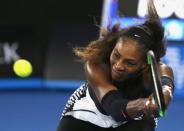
{"x": 150, "y": 35}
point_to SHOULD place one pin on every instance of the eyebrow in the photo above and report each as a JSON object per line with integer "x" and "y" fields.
{"x": 130, "y": 59}
{"x": 116, "y": 50}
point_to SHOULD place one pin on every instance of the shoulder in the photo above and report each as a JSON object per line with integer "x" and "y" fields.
{"x": 164, "y": 66}
{"x": 99, "y": 67}
{"x": 166, "y": 70}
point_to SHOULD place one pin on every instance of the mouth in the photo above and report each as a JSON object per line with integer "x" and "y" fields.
{"x": 116, "y": 74}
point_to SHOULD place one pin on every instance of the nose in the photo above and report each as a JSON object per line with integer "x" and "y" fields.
{"x": 119, "y": 66}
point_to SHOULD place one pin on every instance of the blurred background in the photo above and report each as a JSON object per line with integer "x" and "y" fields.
{"x": 44, "y": 32}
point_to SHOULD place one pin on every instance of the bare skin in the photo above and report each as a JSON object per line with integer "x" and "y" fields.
{"x": 125, "y": 60}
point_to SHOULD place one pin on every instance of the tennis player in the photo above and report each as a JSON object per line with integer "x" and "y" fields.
{"x": 117, "y": 95}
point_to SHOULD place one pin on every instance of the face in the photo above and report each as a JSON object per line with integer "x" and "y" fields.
{"x": 126, "y": 60}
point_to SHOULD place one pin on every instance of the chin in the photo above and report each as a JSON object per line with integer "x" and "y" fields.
{"x": 118, "y": 79}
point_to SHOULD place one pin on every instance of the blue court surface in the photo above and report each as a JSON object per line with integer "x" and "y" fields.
{"x": 40, "y": 111}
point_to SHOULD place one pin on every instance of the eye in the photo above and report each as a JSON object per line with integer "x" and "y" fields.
{"x": 130, "y": 63}
{"x": 116, "y": 54}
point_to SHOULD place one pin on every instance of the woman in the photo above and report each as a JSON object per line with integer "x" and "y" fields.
{"x": 118, "y": 92}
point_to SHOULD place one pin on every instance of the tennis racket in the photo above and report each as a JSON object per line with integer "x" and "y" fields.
{"x": 157, "y": 91}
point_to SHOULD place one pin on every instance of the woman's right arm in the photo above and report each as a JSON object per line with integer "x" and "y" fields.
{"x": 98, "y": 75}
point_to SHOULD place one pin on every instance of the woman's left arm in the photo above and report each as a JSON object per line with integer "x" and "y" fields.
{"x": 167, "y": 78}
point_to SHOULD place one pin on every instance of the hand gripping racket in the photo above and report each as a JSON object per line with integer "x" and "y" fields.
{"x": 157, "y": 91}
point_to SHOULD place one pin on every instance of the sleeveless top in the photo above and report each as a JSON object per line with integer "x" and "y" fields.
{"x": 84, "y": 105}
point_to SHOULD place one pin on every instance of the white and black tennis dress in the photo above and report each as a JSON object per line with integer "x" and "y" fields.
{"x": 84, "y": 105}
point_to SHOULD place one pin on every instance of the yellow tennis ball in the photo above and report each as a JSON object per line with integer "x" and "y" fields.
{"x": 22, "y": 68}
